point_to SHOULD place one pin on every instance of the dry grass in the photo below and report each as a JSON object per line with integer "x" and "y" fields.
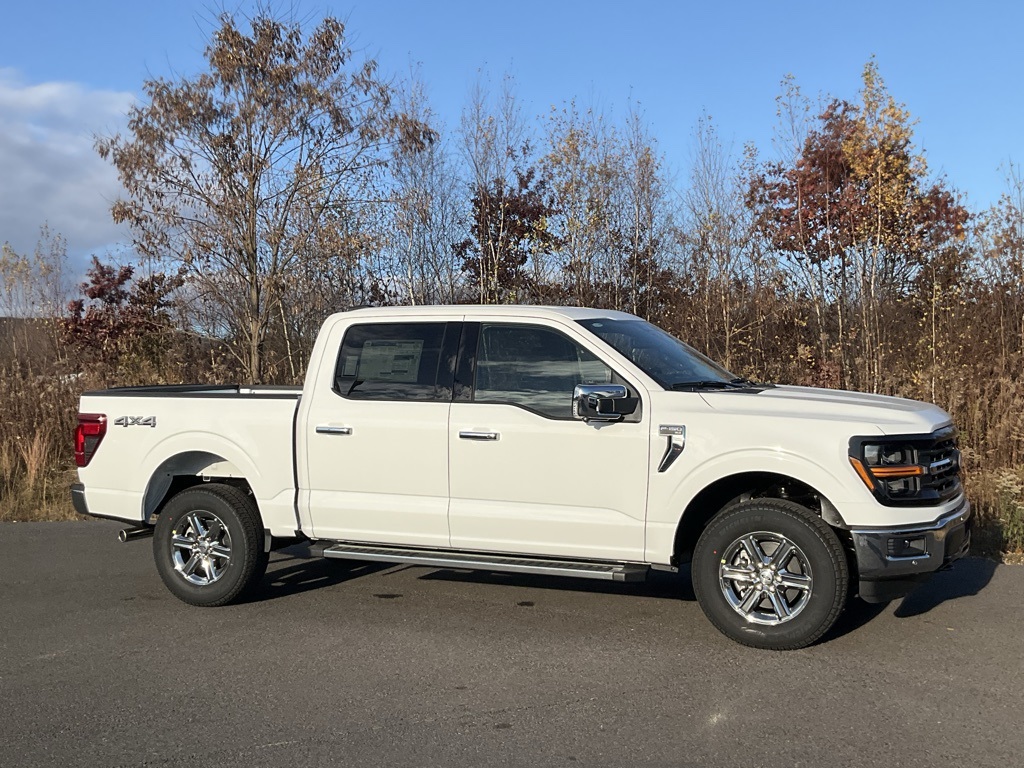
{"x": 998, "y": 500}
{"x": 34, "y": 480}
{"x": 36, "y": 459}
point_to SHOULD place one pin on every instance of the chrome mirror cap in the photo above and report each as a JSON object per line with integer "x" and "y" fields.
{"x": 596, "y": 402}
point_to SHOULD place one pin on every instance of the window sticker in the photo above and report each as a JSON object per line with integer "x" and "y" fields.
{"x": 391, "y": 360}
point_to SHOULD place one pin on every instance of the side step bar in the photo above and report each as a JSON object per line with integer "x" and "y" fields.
{"x": 481, "y": 561}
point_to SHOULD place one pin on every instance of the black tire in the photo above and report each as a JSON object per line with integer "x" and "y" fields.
{"x": 761, "y": 609}
{"x": 222, "y": 565}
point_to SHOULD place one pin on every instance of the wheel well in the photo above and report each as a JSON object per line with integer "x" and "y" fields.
{"x": 184, "y": 471}
{"x": 180, "y": 483}
{"x": 747, "y": 485}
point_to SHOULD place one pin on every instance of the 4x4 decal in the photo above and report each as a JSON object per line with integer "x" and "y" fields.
{"x": 135, "y": 421}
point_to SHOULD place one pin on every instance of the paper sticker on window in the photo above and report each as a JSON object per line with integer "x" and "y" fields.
{"x": 391, "y": 360}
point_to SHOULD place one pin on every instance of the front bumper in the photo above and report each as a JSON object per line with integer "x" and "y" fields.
{"x": 892, "y": 561}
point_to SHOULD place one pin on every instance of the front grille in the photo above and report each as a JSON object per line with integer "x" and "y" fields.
{"x": 942, "y": 462}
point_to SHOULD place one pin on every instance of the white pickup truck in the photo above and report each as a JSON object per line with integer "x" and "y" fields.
{"x": 565, "y": 441}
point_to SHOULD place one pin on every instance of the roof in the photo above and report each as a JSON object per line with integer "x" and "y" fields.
{"x": 509, "y": 310}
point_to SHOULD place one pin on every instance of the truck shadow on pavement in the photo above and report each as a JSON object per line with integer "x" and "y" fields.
{"x": 966, "y": 578}
{"x": 292, "y": 573}
{"x": 658, "y": 584}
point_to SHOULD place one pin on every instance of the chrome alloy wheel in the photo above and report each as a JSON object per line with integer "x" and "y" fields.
{"x": 201, "y": 548}
{"x": 765, "y": 577}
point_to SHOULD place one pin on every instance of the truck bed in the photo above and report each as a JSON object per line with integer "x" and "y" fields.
{"x": 155, "y": 433}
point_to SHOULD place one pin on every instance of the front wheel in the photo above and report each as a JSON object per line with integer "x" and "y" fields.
{"x": 770, "y": 574}
{"x": 208, "y": 545}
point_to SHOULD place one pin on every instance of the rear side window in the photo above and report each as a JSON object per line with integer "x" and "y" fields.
{"x": 391, "y": 361}
{"x": 534, "y": 367}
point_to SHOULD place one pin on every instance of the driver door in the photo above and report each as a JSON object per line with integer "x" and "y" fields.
{"x": 527, "y": 477}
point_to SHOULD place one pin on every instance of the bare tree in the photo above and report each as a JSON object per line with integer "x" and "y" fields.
{"x": 238, "y": 173}
{"x": 510, "y": 203}
{"x": 722, "y": 261}
{"x": 424, "y": 221}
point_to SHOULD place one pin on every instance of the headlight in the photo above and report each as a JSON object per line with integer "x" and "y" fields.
{"x": 902, "y": 470}
{"x": 876, "y": 455}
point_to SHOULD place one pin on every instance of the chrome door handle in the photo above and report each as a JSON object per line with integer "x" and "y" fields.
{"x": 323, "y": 429}
{"x": 468, "y": 435}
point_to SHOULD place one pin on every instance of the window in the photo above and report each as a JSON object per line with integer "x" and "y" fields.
{"x": 658, "y": 354}
{"x": 391, "y": 361}
{"x": 535, "y": 367}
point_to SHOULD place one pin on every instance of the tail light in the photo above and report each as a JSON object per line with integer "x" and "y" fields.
{"x": 88, "y": 435}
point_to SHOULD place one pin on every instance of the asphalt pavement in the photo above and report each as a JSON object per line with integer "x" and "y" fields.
{"x": 345, "y": 664}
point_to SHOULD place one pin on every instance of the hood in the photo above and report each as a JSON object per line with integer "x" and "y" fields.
{"x": 892, "y": 415}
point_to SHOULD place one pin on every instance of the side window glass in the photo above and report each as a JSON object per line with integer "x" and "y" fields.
{"x": 390, "y": 361}
{"x": 535, "y": 367}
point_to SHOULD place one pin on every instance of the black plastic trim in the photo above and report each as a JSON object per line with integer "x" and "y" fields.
{"x": 672, "y": 452}
{"x": 444, "y": 383}
{"x": 946, "y": 541}
{"x": 885, "y": 590}
{"x": 465, "y": 368}
{"x": 199, "y": 390}
{"x": 78, "y": 499}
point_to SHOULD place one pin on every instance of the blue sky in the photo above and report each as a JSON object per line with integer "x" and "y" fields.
{"x": 71, "y": 69}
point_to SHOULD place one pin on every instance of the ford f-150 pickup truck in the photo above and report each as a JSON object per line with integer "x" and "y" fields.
{"x": 545, "y": 440}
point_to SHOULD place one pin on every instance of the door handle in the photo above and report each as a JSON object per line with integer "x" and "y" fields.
{"x": 324, "y": 429}
{"x": 469, "y": 435}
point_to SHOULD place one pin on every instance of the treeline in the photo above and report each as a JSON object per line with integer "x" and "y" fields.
{"x": 289, "y": 180}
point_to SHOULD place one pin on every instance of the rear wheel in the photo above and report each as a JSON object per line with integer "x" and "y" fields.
{"x": 208, "y": 545}
{"x": 770, "y": 574}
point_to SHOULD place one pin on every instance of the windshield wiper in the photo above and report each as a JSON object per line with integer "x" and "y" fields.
{"x": 741, "y": 381}
{"x": 701, "y": 384}
{"x": 738, "y": 383}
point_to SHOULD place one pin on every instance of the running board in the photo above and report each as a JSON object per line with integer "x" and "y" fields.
{"x": 481, "y": 561}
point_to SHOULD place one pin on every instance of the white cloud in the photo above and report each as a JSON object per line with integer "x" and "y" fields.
{"x": 49, "y": 171}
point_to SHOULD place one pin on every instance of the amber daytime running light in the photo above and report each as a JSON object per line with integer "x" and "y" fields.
{"x": 905, "y": 470}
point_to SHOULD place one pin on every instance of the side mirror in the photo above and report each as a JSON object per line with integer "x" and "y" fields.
{"x": 602, "y": 402}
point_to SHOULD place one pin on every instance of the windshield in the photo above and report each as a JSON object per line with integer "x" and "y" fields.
{"x": 660, "y": 355}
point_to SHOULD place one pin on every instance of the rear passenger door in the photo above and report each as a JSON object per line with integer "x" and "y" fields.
{"x": 526, "y": 477}
{"x": 376, "y": 449}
